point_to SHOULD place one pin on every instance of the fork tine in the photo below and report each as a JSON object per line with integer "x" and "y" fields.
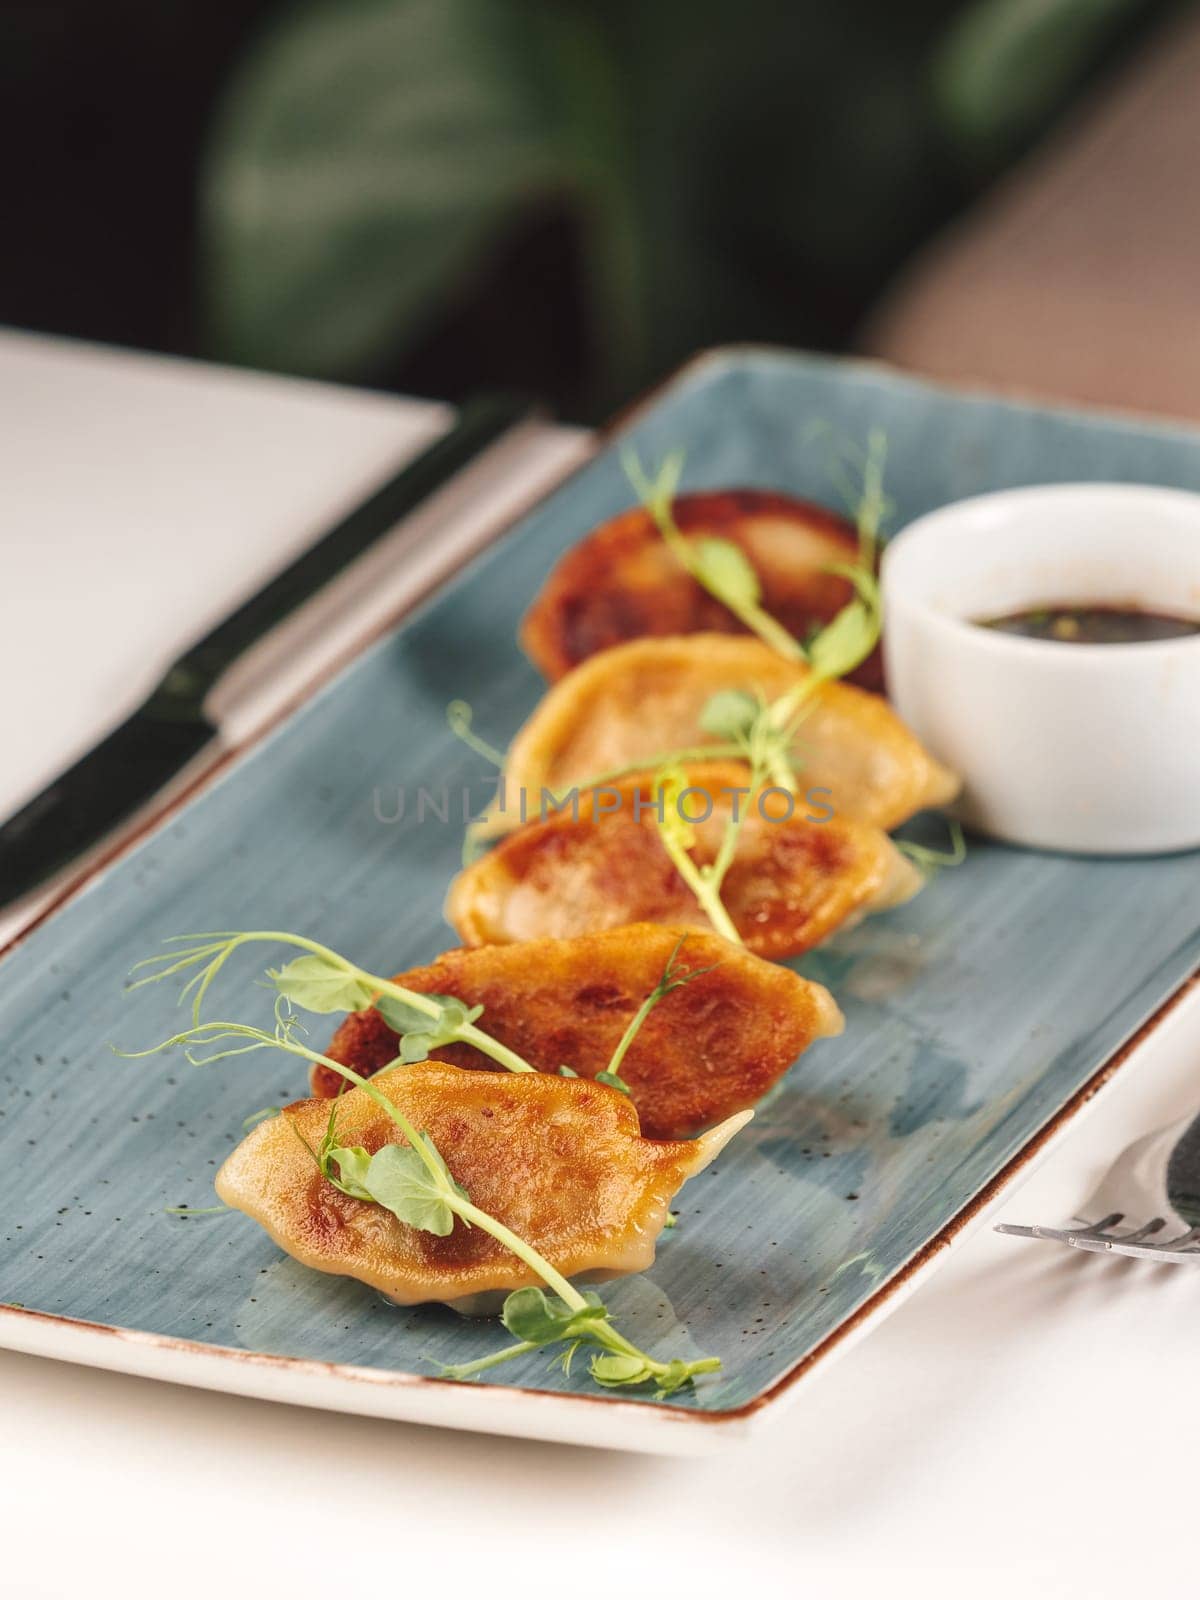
{"x": 1092, "y": 1230}
{"x": 1162, "y": 1254}
{"x": 1136, "y": 1235}
{"x": 1121, "y": 1243}
{"x": 1191, "y": 1237}
{"x": 1087, "y": 1230}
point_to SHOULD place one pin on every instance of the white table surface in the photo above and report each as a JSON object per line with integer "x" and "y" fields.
{"x": 1027, "y": 1418}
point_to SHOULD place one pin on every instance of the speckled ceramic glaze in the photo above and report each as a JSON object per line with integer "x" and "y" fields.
{"x": 973, "y": 1014}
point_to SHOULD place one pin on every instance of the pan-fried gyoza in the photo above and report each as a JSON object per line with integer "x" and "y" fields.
{"x": 731, "y": 1027}
{"x": 559, "y": 1161}
{"x": 602, "y": 862}
{"x": 624, "y": 582}
{"x": 639, "y": 702}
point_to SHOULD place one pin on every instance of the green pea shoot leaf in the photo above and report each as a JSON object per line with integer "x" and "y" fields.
{"x": 725, "y": 571}
{"x": 352, "y": 1162}
{"x": 848, "y": 640}
{"x": 533, "y": 1316}
{"x": 614, "y": 1370}
{"x": 729, "y": 714}
{"x": 399, "y": 1179}
{"x": 316, "y": 984}
{"x": 419, "y": 1033}
{"x": 403, "y": 1018}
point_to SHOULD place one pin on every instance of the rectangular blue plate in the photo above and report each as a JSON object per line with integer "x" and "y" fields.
{"x": 974, "y": 1014}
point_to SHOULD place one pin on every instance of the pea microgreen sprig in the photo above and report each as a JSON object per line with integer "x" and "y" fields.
{"x": 760, "y": 738}
{"x": 723, "y": 569}
{"x": 857, "y": 474}
{"x": 736, "y": 717}
{"x": 459, "y": 717}
{"x": 745, "y": 727}
{"x": 718, "y": 565}
{"x": 929, "y": 860}
{"x": 762, "y": 734}
{"x": 670, "y": 980}
{"x": 677, "y": 834}
{"x": 414, "y": 1183}
{"x": 323, "y": 981}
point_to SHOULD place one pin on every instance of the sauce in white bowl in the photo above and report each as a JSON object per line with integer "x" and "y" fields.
{"x": 1093, "y": 748}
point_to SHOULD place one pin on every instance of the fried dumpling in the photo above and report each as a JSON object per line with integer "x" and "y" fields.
{"x": 560, "y": 1161}
{"x": 623, "y": 582}
{"x": 643, "y": 700}
{"x": 793, "y": 882}
{"x": 710, "y": 1048}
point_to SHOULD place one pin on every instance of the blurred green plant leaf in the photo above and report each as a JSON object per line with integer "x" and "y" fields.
{"x": 725, "y": 172}
{"x": 1004, "y": 65}
{"x": 366, "y": 152}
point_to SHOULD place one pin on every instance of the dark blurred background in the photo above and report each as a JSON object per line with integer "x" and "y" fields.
{"x": 570, "y": 196}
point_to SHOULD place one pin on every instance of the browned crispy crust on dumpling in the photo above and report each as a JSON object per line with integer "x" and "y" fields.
{"x": 708, "y": 1049}
{"x": 793, "y": 882}
{"x": 623, "y": 582}
{"x": 559, "y": 1161}
{"x": 642, "y": 700}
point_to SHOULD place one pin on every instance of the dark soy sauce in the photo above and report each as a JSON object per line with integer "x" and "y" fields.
{"x": 1100, "y": 624}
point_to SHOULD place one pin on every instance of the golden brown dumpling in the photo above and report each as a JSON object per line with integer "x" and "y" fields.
{"x": 643, "y": 700}
{"x": 623, "y": 581}
{"x": 707, "y": 1050}
{"x": 560, "y": 1161}
{"x": 792, "y": 882}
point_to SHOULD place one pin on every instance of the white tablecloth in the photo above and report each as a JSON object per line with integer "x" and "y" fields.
{"x": 1026, "y": 1419}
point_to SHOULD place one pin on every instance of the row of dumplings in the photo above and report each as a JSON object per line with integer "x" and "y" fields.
{"x": 570, "y": 919}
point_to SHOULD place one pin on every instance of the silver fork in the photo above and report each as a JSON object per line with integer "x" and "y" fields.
{"x": 1158, "y": 1178}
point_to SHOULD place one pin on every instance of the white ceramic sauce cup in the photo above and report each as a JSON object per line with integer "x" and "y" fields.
{"x": 1093, "y": 748}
